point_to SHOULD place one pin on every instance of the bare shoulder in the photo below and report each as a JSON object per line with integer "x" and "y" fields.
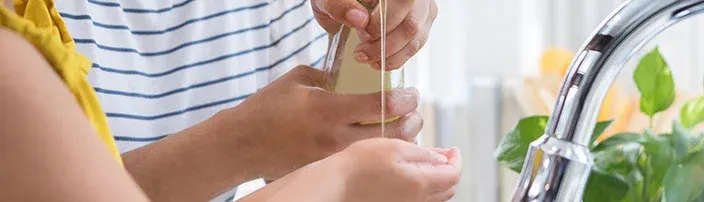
{"x": 26, "y": 75}
{"x": 19, "y": 59}
{"x": 10, "y": 39}
{"x": 12, "y": 44}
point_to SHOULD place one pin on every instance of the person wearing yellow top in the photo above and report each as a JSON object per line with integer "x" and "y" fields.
{"x": 55, "y": 144}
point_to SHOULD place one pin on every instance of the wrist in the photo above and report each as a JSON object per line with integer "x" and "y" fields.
{"x": 343, "y": 165}
{"x": 199, "y": 162}
{"x": 230, "y": 139}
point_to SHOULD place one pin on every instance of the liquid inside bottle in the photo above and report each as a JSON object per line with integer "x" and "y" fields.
{"x": 345, "y": 75}
{"x": 352, "y": 77}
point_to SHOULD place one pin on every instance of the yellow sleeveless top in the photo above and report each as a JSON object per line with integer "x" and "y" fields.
{"x": 39, "y": 23}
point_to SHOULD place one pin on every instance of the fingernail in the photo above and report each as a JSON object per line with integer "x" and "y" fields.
{"x": 363, "y": 35}
{"x": 413, "y": 90}
{"x": 439, "y": 157}
{"x": 377, "y": 66}
{"x": 410, "y": 92}
{"x": 356, "y": 17}
{"x": 361, "y": 56}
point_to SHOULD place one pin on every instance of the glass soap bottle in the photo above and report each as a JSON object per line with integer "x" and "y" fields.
{"x": 345, "y": 75}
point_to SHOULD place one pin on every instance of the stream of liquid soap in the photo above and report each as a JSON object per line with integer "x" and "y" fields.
{"x": 382, "y": 13}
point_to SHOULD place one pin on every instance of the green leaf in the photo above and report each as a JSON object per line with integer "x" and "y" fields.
{"x": 619, "y": 139}
{"x": 700, "y": 198}
{"x": 635, "y": 193}
{"x": 659, "y": 156}
{"x": 604, "y": 188}
{"x": 654, "y": 81}
{"x": 680, "y": 140}
{"x": 684, "y": 183}
{"x": 692, "y": 112}
{"x": 599, "y": 130}
{"x": 696, "y": 158}
{"x": 618, "y": 162}
{"x": 512, "y": 150}
{"x": 697, "y": 143}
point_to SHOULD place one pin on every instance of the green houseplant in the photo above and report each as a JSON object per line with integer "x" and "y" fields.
{"x": 634, "y": 167}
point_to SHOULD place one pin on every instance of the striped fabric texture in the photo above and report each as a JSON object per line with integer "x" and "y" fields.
{"x": 161, "y": 66}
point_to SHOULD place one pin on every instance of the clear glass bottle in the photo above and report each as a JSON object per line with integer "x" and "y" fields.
{"x": 345, "y": 75}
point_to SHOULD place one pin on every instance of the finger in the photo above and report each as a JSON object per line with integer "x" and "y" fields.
{"x": 444, "y": 195}
{"x": 397, "y": 38}
{"x": 356, "y": 108}
{"x": 348, "y": 12}
{"x": 441, "y": 176}
{"x": 307, "y": 75}
{"x": 406, "y": 128}
{"x": 433, "y": 10}
{"x": 399, "y": 58}
{"x": 443, "y": 151}
{"x": 414, "y": 155}
{"x": 397, "y": 11}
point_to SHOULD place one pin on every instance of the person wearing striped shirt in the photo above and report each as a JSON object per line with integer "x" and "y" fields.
{"x": 186, "y": 85}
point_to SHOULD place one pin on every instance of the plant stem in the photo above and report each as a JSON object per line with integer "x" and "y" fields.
{"x": 650, "y": 122}
{"x": 646, "y": 180}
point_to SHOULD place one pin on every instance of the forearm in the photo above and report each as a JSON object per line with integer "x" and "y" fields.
{"x": 193, "y": 165}
{"x": 313, "y": 183}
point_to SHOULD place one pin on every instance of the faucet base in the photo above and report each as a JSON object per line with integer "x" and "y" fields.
{"x": 555, "y": 171}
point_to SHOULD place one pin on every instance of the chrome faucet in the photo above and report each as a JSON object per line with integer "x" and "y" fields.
{"x": 558, "y": 164}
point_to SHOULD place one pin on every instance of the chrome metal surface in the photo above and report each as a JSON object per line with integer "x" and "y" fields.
{"x": 558, "y": 164}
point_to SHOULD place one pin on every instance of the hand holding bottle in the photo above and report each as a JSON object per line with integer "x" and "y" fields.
{"x": 408, "y": 27}
{"x": 293, "y": 122}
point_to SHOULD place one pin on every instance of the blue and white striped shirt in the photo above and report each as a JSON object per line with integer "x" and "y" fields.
{"x": 164, "y": 65}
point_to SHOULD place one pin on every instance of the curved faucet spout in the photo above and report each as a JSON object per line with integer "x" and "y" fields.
{"x": 558, "y": 164}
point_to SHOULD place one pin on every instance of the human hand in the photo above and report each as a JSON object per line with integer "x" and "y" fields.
{"x": 408, "y": 26}
{"x": 378, "y": 169}
{"x": 292, "y": 122}
{"x": 391, "y": 170}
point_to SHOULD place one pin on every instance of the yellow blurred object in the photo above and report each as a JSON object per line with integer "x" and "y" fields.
{"x": 555, "y": 61}
{"x": 529, "y": 99}
{"x": 617, "y": 106}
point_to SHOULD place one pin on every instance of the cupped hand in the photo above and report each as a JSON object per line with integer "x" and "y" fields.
{"x": 407, "y": 27}
{"x": 292, "y": 122}
{"x": 391, "y": 170}
{"x": 372, "y": 170}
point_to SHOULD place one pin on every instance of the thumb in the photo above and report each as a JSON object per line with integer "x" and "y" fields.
{"x": 349, "y": 12}
{"x": 307, "y": 75}
{"x": 366, "y": 107}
